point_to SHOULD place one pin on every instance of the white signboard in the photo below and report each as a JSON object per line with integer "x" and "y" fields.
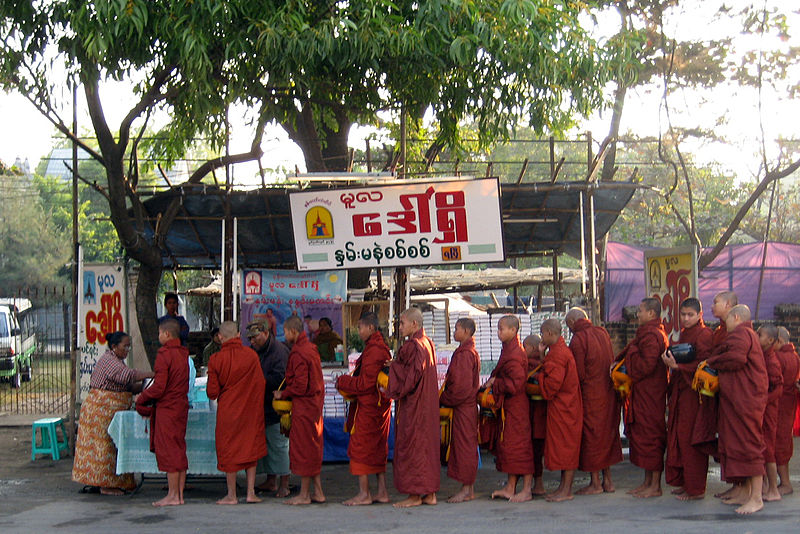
{"x": 414, "y": 223}
{"x": 101, "y": 311}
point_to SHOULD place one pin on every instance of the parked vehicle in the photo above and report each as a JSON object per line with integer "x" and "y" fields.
{"x": 17, "y": 341}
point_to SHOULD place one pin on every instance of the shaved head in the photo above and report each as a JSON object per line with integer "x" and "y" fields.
{"x": 729, "y": 297}
{"x": 552, "y": 325}
{"x": 292, "y": 323}
{"x": 770, "y": 330}
{"x": 228, "y": 330}
{"x": 783, "y": 334}
{"x": 532, "y": 340}
{"x": 576, "y": 313}
{"x": 510, "y": 321}
{"x": 741, "y": 311}
{"x": 653, "y": 305}
{"x": 414, "y": 315}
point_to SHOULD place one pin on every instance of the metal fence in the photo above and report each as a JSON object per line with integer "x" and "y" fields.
{"x": 35, "y": 367}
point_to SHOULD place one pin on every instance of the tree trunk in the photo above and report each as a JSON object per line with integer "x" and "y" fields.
{"x": 146, "y": 314}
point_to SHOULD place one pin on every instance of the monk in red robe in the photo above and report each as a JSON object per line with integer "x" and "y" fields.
{"x": 743, "y": 385}
{"x": 784, "y": 444}
{"x": 538, "y": 412}
{"x": 235, "y": 380}
{"x": 687, "y": 466}
{"x": 561, "y": 388}
{"x": 369, "y": 414}
{"x": 724, "y": 301}
{"x": 514, "y": 448}
{"x": 600, "y": 443}
{"x": 646, "y": 410}
{"x": 767, "y": 336}
{"x": 166, "y": 402}
{"x": 458, "y": 392}
{"x": 306, "y": 388}
{"x": 413, "y": 384}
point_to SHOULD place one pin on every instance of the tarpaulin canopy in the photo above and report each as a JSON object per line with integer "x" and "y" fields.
{"x": 737, "y": 268}
{"x": 537, "y": 218}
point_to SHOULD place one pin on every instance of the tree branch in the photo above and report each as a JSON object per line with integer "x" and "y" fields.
{"x": 150, "y": 97}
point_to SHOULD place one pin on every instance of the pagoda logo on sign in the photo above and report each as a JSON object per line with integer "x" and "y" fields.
{"x": 319, "y": 223}
{"x": 252, "y": 283}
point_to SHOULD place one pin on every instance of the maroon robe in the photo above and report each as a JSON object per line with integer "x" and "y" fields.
{"x": 790, "y": 365}
{"x": 775, "y": 391}
{"x": 370, "y": 412}
{"x": 743, "y": 385}
{"x": 236, "y": 380}
{"x": 686, "y": 466}
{"x": 514, "y": 448}
{"x": 538, "y": 416}
{"x": 413, "y": 384}
{"x": 561, "y": 388}
{"x": 460, "y": 389}
{"x": 646, "y": 409}
{"x": 594, "y": 354}
{"x": 170, "y": 411}
{"x": 306, "y": 388}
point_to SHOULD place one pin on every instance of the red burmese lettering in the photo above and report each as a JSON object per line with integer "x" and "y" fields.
{"x": 362, "y": 225}
{"x": 451, "y": 217}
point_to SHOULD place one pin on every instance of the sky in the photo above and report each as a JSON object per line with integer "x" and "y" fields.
{"x": 28, "y": 135}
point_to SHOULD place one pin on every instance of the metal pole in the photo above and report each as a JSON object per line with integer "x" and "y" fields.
{"x": 73, "y": 386}
{"x": 403, "y": 140}
{"x": 764, "y": 249}
{"x": 235, "y": 278}
{"x": 593, "y": 259}
{"x": 583, "y": 244}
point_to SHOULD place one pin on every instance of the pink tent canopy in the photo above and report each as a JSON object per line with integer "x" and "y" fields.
{"x": 737, "y": 268}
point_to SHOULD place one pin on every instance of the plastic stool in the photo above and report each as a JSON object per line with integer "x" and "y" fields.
{"x": 50, "y": 443}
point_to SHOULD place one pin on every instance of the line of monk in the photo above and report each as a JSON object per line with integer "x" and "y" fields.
{"x": 545, "y": 403}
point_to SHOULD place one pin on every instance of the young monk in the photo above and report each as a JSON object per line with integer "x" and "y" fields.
{"x": 306, "y": 388}
{"x": 538, "y": 410}
{"x": 687, "y": 466}
{"x": 167, "y": 404}
{"x": 645, "y": 417}
{"x": 369, "y": 414}
{"x": 561, "y": 389}
{"x": 724, "y": 301}
{"x": 784, "y": 443}
{"x": 767, "y": 336}
{"x": 514, "y": 447}
{"x": 414, "y": 386}
{"x": 600, "y": 443}
{"x": 460, "y": 389}
{"x": 236, "y": 381}
{"x": 743, "y": 385}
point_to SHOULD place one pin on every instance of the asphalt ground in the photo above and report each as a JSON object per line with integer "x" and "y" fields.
{"x": 39, "y": 497}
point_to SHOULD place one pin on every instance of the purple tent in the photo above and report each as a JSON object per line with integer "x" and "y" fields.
{"x": 737, "y": 268}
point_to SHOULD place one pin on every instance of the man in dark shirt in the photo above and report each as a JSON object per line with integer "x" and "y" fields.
{"x": 273, "y": 355}
{"x": 171, "y": 307}
{"x": 326, "y": 340}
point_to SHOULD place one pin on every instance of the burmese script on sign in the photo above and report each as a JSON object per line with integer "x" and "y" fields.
{"x": 415, "y": 223}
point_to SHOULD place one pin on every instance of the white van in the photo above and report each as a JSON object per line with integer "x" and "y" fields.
{"x": 16, "y": 344}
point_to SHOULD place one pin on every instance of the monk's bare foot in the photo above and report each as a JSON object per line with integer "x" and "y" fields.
{"x": 228, "y": 500}
{"x": 359, "y": 500}
{"x": 609, "y": 488}
{"x": 538, "y": 490}
{"x": 297, "y": 500}
{"x": 283, "y": 492}
{"x": 505, "y": 493}
{"x": 409, "y": 502}
{"x": 461, "y": 496}
{"x": 252, "y": 499}
{"x": 750, "y": 507}
{"x": 168, "y": 501}
{"x": 430, "y": 499}
{"x": 522, "y": 496}
{"x": 636, "y": 490}
{"x": 267, "y": 488}
{"x": 590, "y": 490}
{"x": 678, "y": 491}
{"x": 785, "y": 490}
{"x": 736, "y": 497}
{"x": 381, "y": 498}
{"x": 111, "y": 491}
{"x": 559, "y": 496}
{"x": 318, "y": 498}
{"x": 648, "y": 493}
{"x": 686, "y": 497}
{"x": 772, "y": 495}
{"x": 725, "y": 494}
{"x": 736, "y": 501}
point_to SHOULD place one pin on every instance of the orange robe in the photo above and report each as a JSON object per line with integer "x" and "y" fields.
{"x": 538, "y": 409}
{"x": 562, "y": 390}
{"x": 306, "y": 388}
{"x": 743, "y": 384}
{"x": 369, "y": 413}
{"x": 790, "y": 365}
{"x": 166, "y": 401}
{"x": 460, "y": 389}
{"x": 236, "y": 381}
{"x": 594, "y": 354}
{"x": 646, "y": 413}
{"x": 775, "y": 391}
{"x": 686, "y": 466}
{"x": 514, "y": 447}
{"x": 414, "y": 386}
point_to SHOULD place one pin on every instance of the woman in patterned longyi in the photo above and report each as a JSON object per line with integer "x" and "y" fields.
{"x": 111, "y": 390}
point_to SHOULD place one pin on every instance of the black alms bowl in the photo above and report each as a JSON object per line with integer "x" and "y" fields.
{"x": 683, "y": 352}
